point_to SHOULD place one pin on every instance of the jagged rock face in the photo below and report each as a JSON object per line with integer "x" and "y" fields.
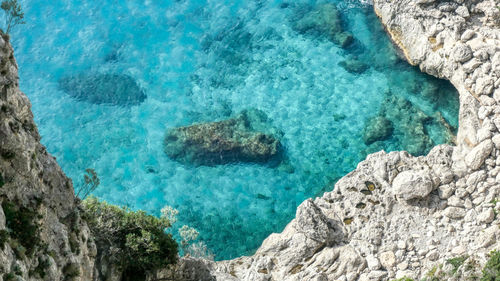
{"x": 397, "y": 215}
{"x": 44, "y": 235}
{"x": 233, "y": 140}
{"x": 97, "y": 88}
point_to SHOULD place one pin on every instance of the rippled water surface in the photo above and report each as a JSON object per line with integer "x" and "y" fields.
{"x": 187, "y": 61}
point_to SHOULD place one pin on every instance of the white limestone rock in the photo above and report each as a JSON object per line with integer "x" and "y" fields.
{"x": 412, "y": 184}
{"x": 387, "y": 259}
{"x": 462, "y": 53}
{"x": 486, "y": 216}
{"x": 475, "y": 158}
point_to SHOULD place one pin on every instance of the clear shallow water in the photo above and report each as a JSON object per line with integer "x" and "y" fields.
{"x": 203, "y": 61}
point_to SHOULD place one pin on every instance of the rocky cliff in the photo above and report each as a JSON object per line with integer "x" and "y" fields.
{"x": 396, "y": 215}
{"x": 42, "y": 236}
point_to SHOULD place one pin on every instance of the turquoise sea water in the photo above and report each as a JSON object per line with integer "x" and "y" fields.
{"x": 199, "y": 61}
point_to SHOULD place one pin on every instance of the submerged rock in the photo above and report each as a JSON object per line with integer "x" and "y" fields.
{"x": 324, "y": 20}
{"x": 377, "y": 129}
{"x": 401, "y": 120}
{"x": 353, "y": 65}
{"x": 244, "y": 138}
{"x": 115, "y": 89}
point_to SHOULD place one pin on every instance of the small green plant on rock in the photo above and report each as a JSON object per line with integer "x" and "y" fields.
{"x": 491, "y": 271}
{"x": 456, "y": 263}
{"x": 71, "y": 271}
{"x": 13, "y": 14}
{"x": 9, "y": 276}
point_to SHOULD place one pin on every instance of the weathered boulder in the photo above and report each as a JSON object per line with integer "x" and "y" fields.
{"x": 244, "y": 138}
{"x": 476, "y": 157}
{"x": 324, "y": 20}
{"x": 412, "y": 184}
{"x": 462, "y": 53}
{"x": 114, "y": 89}
{"x": 377, "y": 129}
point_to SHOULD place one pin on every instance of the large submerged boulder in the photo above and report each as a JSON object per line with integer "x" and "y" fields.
{"x": 248, "y": 137}
{"x": 97, "y": 88}
{"x": 324, "y": 20}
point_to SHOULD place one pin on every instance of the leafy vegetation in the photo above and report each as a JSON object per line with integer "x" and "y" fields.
{"x": 9, "y": 277}
{"x": 4, "y": 237}
{"x": 13, "y": 14}
{"x": 2, "y": 182}
{"x": 456, "y": 263}
{"x": 71, "y": 271}
{"x": 142, "y": 243}
{"x": 491, "y": 271}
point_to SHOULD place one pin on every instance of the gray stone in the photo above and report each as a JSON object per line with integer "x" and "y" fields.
{"x": 454, "y": 212}
{"x": 373, "y": 262}
{"x": 467, "y": 35}
{"x": 486, "y": 216}
{"x": 387, "y": 259}
{"x": 462, "y": 53}
{"x": 412, "y": 184}
{"x": 475, "y": 158}
{"x": 462, "y": 11}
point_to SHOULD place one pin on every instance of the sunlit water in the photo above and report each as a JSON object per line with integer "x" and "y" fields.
{"x": 200, "y": 61}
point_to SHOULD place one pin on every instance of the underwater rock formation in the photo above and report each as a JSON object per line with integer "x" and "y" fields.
{"x": 399, "y": 118}
{"x": 377, "y": 129}
{"x": 244, "y": 138}
{"x": 114, "y": 89}
{"x": 409, "y": 122}
{"x": 323, "y": 20}
{"x": 354, "y": 66}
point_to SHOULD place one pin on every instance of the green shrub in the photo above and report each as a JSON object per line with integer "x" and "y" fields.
{"x": 2, "y": 182}
{"x": 491, "y": 271}
{"x": 9, "y": 277}
{"x": 41, "y": 269}
{"x": 4, "y": 237}
{"x": 23, "y": 226}
{"x": 70, "y": 271}
{"x": 141, "y": 238}
{"x": 456, "y": 263}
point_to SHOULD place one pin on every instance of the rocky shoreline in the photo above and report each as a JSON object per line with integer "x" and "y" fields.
{"x": 396, "y": 215}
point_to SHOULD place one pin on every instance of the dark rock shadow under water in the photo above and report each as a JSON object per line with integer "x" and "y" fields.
{"x": 96, "y": 88}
